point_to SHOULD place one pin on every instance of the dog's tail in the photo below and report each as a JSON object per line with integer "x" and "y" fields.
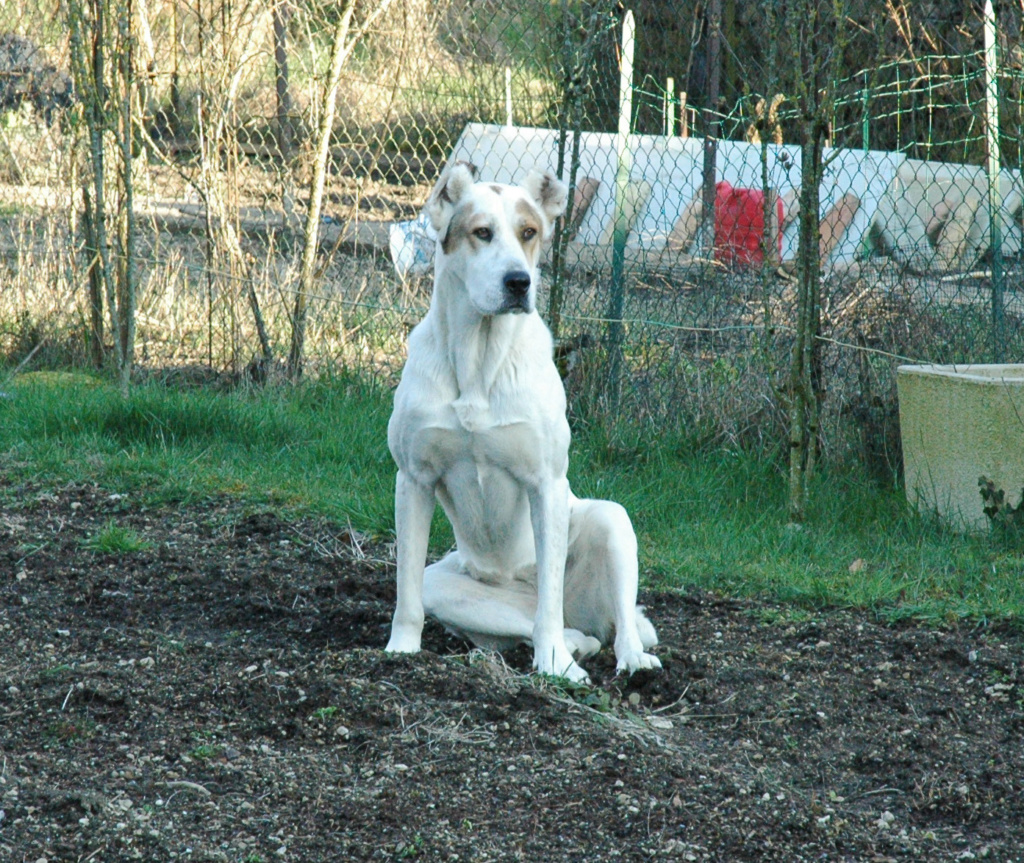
{"x": 648, "y": 637}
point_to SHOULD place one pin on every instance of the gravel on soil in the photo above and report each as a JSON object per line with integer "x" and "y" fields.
{"x": 220, "y": 694}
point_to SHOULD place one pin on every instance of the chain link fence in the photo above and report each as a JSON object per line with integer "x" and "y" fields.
{"x": 230, "y": 190}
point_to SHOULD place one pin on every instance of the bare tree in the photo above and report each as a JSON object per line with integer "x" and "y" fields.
{"x": 816, "y": 34}
{"x": 102, "y": 49}
{"x": 345, "y": 40}
{"x": 230, "y": 38}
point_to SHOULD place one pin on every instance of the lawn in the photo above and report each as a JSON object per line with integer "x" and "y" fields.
{"x": 707, "y": 518}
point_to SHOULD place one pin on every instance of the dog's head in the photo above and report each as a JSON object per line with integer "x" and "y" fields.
{"x": 490, "y": 235}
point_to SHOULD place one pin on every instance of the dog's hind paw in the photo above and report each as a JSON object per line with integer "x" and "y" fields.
{"x": 581, "y": 646}
{"x": 635, "y": 660}
{"x": 574, "y": 673}
{"x": 559, "y": 663}
{"x": 403, "y": 642}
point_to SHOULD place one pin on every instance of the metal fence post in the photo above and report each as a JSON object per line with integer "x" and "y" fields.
{"x": 712, "y": 130}
{"x": 621, "y": 227}
{"x": 992, "y": 167}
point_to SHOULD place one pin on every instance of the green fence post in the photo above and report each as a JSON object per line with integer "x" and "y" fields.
{"x": 670, "y": 107}
{"x": 931, "y": 113}
{"x": 865, "y": 121}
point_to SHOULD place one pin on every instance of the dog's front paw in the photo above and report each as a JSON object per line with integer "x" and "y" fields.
{"x": 634, "y": 660}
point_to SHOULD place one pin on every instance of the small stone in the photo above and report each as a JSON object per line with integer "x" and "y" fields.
{"x": 885, "y": 820}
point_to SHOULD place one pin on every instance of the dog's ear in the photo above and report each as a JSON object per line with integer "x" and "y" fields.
{"x": 550, "y": 193}
{"x": 451, "y": 187}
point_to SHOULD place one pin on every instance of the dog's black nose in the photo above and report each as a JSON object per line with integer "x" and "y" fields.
{"x": 517, "y": 283}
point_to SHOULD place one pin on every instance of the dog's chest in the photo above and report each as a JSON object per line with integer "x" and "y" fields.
{"x": 484, "y": 485}
{"x": 459, "y": 457}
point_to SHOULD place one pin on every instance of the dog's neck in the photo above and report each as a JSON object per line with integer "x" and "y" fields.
{"x": 477, "y": 347}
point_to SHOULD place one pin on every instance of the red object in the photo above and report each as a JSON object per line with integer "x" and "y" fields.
{"x": 739, "y": 225}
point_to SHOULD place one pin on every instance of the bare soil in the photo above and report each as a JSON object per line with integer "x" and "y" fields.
{"x": 221, "y": 695}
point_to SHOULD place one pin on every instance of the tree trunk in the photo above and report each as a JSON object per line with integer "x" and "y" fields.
{"x": 817, "y": 30}
{"x": 94, "y": 274}
{"x": 804, "y": 384}
{"x": 126, "y": 275}
{"x": 316, "y": 192}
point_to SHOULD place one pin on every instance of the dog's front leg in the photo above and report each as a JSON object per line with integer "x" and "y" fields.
{"x": 414, "y": 507}
{"x": 549, "y": 513}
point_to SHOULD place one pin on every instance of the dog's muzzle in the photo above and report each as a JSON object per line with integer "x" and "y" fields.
{"x": 517, "y": 291}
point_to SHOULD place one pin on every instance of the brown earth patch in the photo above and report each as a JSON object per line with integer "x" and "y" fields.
{"x": 221, "y": 695}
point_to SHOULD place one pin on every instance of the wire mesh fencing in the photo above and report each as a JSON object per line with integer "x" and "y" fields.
{"x": 237, "y": 186}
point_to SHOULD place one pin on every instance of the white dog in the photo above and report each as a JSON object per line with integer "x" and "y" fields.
{"x": 479, "y": 424}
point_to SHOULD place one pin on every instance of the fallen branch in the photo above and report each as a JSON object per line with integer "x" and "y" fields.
{"x": 185, "y": 218}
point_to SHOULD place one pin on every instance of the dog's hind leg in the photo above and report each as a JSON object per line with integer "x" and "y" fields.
{"x": 601, "y": 580}
{"x": 493, "y": 616}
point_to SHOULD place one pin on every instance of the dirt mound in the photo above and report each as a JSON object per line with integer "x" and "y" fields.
{"x": 220, "y": 694}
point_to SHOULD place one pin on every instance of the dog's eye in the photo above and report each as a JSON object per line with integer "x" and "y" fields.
{"x": 484, "y": 234}
{"x": 529, "y": 233}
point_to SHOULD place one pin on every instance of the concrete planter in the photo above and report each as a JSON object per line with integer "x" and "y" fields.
{"x": 958, "y": 423}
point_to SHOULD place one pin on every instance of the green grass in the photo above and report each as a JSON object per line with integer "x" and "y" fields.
{"x": 68, "y": 732}
{"x": 205, "y": 752}
{"x": 114, "y": 539}
{"x": 707, "y": 518}
{"x": 323, "y": 714}
{"x": 719, "y": 520}
{"x": 319, "y": 448}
